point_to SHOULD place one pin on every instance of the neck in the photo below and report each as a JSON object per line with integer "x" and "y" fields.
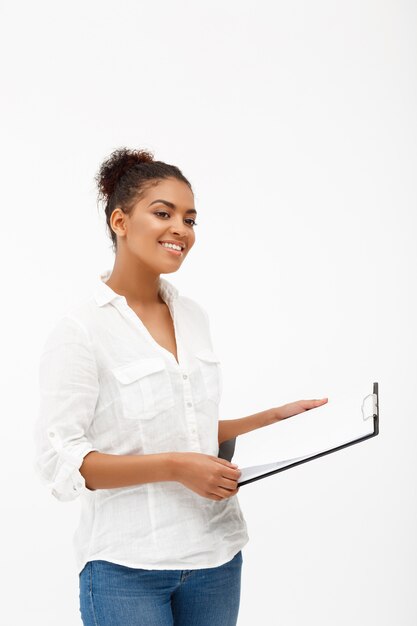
{"x": 136, "y": 282}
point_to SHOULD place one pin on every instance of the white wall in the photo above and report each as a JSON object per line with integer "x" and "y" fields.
{"x": 295, "y": 123}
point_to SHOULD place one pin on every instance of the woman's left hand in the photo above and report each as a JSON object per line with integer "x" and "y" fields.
{"x": 294, "y": 408}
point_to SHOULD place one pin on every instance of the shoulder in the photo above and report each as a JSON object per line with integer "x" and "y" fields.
{"x": 73, "y": 325}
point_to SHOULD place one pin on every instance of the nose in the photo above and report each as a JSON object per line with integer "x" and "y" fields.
{"x": 178, "y": 227}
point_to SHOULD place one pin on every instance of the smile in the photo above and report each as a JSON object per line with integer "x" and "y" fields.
{"x": 170, "y": 248}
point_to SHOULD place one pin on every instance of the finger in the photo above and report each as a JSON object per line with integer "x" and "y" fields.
{"x": 221, "y": 493}
{"x": 312, "y": 403}
{"x": 229, "y": 483}
{"x": 231, "y": 473}
{"x": 228, "y": 492}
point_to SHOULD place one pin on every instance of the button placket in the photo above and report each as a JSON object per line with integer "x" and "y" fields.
{"x": 191, "y": 418}
{"x": 189, "y": 413}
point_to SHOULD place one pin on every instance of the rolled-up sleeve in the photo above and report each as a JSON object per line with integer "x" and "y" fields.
{"x": 68, "y": 388}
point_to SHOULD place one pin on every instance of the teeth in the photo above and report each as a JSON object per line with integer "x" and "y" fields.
{"x": 171, "y": 245}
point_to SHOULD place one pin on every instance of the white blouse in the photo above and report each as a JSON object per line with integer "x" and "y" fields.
{"x": 107, "y": 385}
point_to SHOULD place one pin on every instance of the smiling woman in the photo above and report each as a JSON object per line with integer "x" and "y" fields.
{"x": 129, "y": 420}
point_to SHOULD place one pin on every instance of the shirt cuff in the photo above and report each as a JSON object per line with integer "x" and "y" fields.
{"x": 69, "y": 483}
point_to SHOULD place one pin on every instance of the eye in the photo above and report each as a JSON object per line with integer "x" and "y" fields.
{"x": 189, "y": 219}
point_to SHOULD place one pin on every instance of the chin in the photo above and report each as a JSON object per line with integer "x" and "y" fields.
{"x": 169, "y": 270}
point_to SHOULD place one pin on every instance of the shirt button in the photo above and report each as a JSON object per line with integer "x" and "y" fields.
{"x": 52, "y": 434}
{"x": 185, "y": 376}
{"x": 189, "y": 404}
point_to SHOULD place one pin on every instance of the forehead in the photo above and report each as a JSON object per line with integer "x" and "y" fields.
{"x": 170, "y": 189}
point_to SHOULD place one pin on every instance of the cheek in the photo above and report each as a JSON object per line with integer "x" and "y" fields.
{"x": 146, "y": 231}
{"x": 191, "y": 239}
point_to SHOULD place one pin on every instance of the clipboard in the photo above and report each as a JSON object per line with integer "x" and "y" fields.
{"x": 267, "y": 470}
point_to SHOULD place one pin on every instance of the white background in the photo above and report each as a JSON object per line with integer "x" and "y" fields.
{"x": 295, "y": 124}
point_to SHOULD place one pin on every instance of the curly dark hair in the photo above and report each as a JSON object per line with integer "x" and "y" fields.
{"x": 124, "y": 178}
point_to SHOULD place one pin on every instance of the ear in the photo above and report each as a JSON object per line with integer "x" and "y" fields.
{"x": 118, "y": 222}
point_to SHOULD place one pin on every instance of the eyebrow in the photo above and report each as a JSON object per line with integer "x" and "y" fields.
{"x": 172, "y": 206}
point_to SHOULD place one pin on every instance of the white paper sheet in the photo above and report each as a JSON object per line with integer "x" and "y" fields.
{"x": 254, "y": 471}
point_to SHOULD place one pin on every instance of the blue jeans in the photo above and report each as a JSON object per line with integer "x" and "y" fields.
{"x": 116, "y": 595}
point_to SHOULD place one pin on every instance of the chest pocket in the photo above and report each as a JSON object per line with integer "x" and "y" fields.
{"x": 145, "y": 388}
{"x": 210, "y": 369}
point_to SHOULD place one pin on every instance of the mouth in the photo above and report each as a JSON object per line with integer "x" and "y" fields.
{"x": 171, "y": 250}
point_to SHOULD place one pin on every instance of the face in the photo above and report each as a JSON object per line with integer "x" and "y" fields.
{"x": 165, "y": 213}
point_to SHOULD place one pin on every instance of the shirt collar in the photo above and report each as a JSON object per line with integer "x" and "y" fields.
{"x": 104, "y": 294}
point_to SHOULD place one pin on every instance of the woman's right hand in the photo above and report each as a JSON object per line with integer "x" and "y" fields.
{"x": 207, "y": 475}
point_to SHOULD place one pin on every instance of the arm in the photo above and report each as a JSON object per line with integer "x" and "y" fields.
{"x": 69, "y": 387}
{"x": 232, "y": 428}
{"x": 204, "y": 474}
{"x": 109, "y": 471}
{"x": 228, "y": 429}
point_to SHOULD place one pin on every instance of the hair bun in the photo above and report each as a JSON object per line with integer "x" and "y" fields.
{"x": 116, "y": 165}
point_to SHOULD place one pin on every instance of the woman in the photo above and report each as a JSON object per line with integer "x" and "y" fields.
{"x": 128, "y": 421}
